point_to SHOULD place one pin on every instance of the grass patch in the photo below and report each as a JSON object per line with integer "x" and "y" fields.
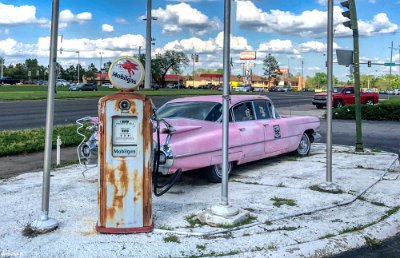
{"x": 327, "y": 236}
{"x": 372, "y": 242}
{"x": 288, "y": 228}
{"x": 281, "y": 185}
{"x": 378, "y": 204}
{"x": 35, "y": 92}
{"x": 319, "y": 189}
{"x": 361, "y": 198}
{"x": 376, "y": 150}
{"x": 29, "y": 231}
{"x": 171, "y": 239}
{"x": 193, "y": 221}
{"x": 272, "y": 247}
{"x": 33, "y": 140}
{"x": 164, "y": 227}
{"x": 268, "y": 223}
{"x": 248, "y": 220}
{"x": 201, "y": 247}
{"x": 278, "y": 202}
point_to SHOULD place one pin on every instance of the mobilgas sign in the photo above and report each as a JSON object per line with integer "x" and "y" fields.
{"x": 126, "y": 73}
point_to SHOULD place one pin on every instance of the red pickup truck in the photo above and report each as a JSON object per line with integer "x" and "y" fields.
{"x": 344, "y": 96}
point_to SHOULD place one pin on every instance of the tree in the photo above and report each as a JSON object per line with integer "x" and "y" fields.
{"x": 162, "y": 63}
{"x": 270, "y": 67}
{"x": 71, "y": 73}
{"x": 91, "y": 72}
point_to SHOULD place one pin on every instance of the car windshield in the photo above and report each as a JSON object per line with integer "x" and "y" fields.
{"x": 337, "y": 89}
{"x": 207, "y": 111}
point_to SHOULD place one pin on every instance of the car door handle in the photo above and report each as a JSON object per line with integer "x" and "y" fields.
{"x": 242, "y": 129}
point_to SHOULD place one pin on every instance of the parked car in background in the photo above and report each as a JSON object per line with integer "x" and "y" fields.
{"x": 382, "y": 92}
{"x": 244, "y": 88}
{"x": 84, "y": 87}
{"x": 286, "y": 88}
{"x": 107, "y": 84}
{"x": 396, "y": 91}
{"x": 62, "y": 82}
{"x": 9, "y": 80}
{"x": 273, "y": 89}
{"x": 191, "y": 133}
{"x": 344, "y": 96}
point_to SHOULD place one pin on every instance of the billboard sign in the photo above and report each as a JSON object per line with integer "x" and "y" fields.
{"x": 248, "y": 55}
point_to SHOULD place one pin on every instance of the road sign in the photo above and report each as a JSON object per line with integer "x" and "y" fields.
{"x": 389, "y": 64}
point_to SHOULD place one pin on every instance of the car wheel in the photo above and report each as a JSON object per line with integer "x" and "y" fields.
{"x": 214, "y": 172}
{"x": 369, "y": 102}
{"x": 319, "y": 106}
{"x": 337, "y": 104}
{"x": 304, "y": 146}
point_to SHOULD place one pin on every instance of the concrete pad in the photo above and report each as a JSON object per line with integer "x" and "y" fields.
{"x": 291, "y": 218}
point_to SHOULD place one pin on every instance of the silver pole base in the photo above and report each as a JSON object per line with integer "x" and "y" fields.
{"x": 44, "y": 225}
{"x": 223, "y": 215}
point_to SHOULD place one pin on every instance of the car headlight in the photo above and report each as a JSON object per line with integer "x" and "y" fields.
{"x": 163, "y": 158}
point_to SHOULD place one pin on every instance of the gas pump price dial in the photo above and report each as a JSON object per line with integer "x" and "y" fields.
{"x": 125, "y": 135}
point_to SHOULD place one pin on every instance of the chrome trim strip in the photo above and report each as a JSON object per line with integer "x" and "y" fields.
{"x": 231, "y": 147}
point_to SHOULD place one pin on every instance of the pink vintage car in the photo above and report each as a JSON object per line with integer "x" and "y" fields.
{"x": 191, "y": 135}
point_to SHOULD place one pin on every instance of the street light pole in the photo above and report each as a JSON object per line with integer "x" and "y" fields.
{"x": 147, "y": 76}
{"x": 101, "y": 61}
{"x": 78, "y": 66}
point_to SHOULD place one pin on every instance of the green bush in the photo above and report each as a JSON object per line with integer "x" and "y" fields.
{"x": 32, "y": 140}
{"x": 382, "y": 111}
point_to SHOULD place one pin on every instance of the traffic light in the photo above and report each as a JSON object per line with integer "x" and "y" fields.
{"x": 369, "y": 63}
{"x": 349, "y": 13}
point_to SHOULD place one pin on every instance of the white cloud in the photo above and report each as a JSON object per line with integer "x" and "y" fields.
{"x": 315, "y": 46}
{"x": 278, "y": 46}
{"x": 209, "y": 46}
{"x": 89, "y": 48}
{"x": 175, "y": 18}
{"x": 311, "y": 23}
{"x": 107, "y": 28}
{"x": 17, "y": 15}
{"x": 121, "y": 20}
{"x": 66, "y": 17}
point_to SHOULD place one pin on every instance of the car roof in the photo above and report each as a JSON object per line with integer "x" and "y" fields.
{"x": 218, "y": 98}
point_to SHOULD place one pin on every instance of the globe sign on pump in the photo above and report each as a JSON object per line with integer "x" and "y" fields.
{"x": 126, "y": 73}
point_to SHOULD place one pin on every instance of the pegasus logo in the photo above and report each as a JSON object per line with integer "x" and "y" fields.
{"x": 129, "y": 67}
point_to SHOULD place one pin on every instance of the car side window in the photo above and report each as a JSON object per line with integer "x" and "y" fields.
{"x": 350, "y": 91}
{"x": 263, "y": 111}
{"x": 243, "y": 112}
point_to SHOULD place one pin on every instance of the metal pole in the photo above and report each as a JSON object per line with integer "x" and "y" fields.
{"x": 1, "y": 69}
{"x": 45, "y": 222}
{"x": 359, "y": 144}
{"x": 391, "y": 59}
{"x": 226, "y": 99}
{"x": 193, "y": 57}
{"x": 329, "y": 91}
{"x": 147, "y": 75}
{"x": 78, "y": 65}
{"x": 101, "y": 61}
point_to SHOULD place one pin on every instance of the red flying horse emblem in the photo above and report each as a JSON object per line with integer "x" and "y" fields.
{"x": 129, "y": 67}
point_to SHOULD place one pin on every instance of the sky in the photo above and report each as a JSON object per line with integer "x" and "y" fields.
{"x": 294, "y": 32}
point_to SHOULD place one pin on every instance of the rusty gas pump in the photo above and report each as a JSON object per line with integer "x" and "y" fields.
{"x": 125, "y": 152}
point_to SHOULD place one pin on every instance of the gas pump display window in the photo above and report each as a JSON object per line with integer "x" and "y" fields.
{"x": 125, "y": 134}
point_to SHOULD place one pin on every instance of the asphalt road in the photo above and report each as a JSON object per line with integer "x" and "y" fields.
{"x": 18, "y": 115}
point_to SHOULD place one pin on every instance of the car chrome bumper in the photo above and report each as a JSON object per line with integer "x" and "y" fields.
{"x": 319, "y": 101}
{"x": 316, "y": 137}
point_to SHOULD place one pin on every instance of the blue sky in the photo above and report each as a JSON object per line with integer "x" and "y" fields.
{"x": 292, "y": 31}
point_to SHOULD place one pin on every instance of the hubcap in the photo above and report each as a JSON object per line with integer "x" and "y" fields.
{"x": 218, "y": 169}
{"x": 304, "y": 145}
